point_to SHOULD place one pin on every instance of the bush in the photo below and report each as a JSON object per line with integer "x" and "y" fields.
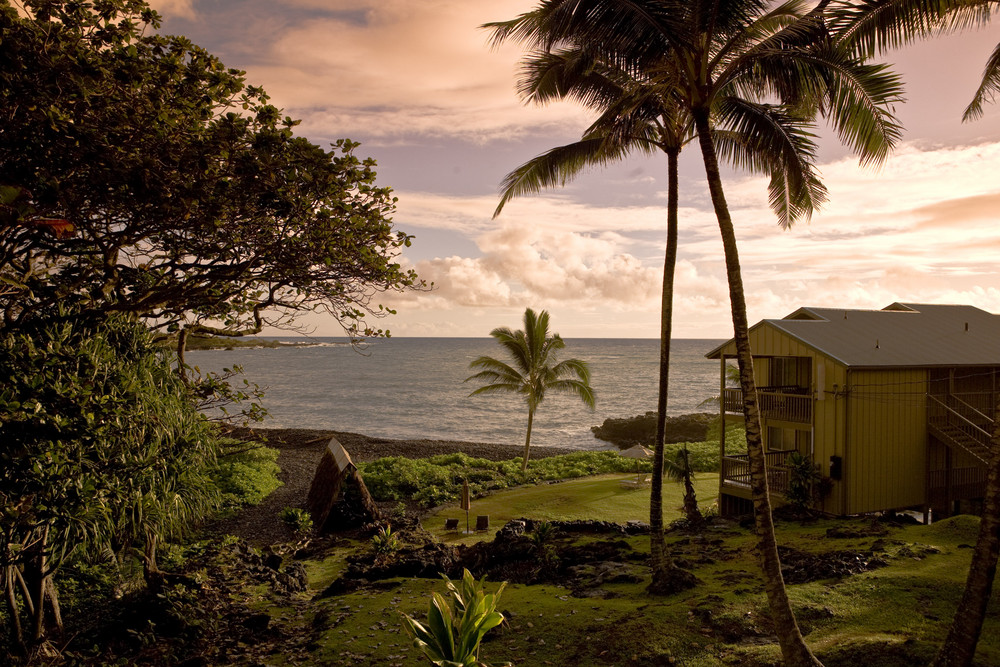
{"x": 247, "y": 474}
{"x": 102, "y": 448}
{"x": 438, "y": 479}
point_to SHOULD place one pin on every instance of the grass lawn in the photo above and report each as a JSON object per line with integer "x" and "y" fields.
{"x": 893, "y": 616}
{"x": 602, "y": 497}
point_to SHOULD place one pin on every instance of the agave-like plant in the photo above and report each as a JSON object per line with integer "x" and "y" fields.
{"x": 456, "y": 624}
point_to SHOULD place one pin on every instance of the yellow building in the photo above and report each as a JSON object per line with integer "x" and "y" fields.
{"x": 895, "y": 406}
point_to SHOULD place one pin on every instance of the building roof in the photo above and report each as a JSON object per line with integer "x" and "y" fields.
{"x": 901, "y": 334}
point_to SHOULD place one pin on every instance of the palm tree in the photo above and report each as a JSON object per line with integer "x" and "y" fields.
{"x": 534, "y": 369}
{"x": 720, "y": 60}
{"x": 636, "y": 116}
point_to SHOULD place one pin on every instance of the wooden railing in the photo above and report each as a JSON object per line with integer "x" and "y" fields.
{"x": 785, "y": 404}
{"x": 961, "y": 484}
{"x": 736, "y": 469}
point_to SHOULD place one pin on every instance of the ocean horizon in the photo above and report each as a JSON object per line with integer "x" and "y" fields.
{"x": 413, "y": 387}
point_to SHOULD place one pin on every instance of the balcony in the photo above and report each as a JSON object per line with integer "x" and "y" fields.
{"x": 736, "y": 470}
{"x": 787, "y": 404}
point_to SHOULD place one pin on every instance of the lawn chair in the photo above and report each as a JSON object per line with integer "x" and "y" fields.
{"x": 451, "y": 524}
{"x": 482, "y": 523}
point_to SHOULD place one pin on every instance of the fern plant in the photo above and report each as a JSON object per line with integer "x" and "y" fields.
{"x": 456, "y": 624}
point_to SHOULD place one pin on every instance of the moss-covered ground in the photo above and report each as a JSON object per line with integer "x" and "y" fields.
{"x": 894, "y": 615}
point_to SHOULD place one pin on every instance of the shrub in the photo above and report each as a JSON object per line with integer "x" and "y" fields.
{"x": 297, "y": 519}
{"x": 246, "y": 474}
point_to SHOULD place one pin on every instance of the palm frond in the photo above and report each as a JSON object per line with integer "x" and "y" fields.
{"x": 763, "y": 138}
{"x": 555, "y": 167}
{"x": 867, "y": 27}
{"x": 988, "y": 87}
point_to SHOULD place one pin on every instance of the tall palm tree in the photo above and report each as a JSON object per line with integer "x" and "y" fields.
{"x": 880, "y": 25}
{"x": 534, "y": 369}
{"x": 721, "y": 60}
{"x": 637, "y": 116}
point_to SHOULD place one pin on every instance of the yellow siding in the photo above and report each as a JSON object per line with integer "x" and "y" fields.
{"x": 885, "y": 460}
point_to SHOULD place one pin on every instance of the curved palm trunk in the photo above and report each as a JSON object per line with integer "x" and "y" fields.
{"x": 657, "y": 547}
{"x": 793, "y": 647}
{"x": 527, "y": 438}
{"x": 959, "y": 646}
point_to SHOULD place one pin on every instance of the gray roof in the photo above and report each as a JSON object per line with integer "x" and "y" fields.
{"x": 901, "y": 334}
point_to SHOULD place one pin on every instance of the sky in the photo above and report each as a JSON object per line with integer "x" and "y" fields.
{"x": 418, "y": 84}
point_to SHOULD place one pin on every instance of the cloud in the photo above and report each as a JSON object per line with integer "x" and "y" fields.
{"x": 396, "y": 67}
{"x": 174, "y": 8}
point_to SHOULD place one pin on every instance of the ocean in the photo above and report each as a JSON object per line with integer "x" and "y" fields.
{"x": 412, "y": 388}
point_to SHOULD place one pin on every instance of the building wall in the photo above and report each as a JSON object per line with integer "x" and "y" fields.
{"x": 885, "y": 460}
{"x": 827, "y": 381}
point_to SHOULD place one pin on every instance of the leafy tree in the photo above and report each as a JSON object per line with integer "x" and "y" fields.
{"x": 101, "y": 450}
{"x": 533, "y": 370}
{"x": 722, "y": 61}
{"x": 193, "y": 204}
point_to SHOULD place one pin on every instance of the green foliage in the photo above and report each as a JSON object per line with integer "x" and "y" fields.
{"x": 297, "y": 519}
{"x": 438, "y": 479}
{"x": 246, "y": 473}
{"x": 237, "y": 221}
{"x": 803, "y": 480}
{"x": 385, "y": 542}
{"x": 101, "y": 448}
{"x": 457, "y": 624}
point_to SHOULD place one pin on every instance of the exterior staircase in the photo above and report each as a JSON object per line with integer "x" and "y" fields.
{"x": 960, "y": 426}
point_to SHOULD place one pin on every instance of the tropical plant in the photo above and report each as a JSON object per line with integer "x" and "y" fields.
{"x": 457, "y": 624}
{"x": 721, "y": 61}
{"x": 385, "y": 542}
{"x": 803, "y": 480}
{"x": 680, "y": 470}
{"x": 102, "y": 452}
{"x": 534, "y": 369}
{"x": 297, "y": 519}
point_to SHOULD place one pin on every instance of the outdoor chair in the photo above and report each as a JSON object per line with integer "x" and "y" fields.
{"x": 482, "y": 523}
{"x": 451, "y": 524}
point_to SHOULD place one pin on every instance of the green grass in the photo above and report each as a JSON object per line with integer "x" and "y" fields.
{"x": 602, "y": 498}
{"x": 894, "y": 616}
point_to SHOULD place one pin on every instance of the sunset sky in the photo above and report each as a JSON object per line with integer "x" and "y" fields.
{"x": 416, "y": 83}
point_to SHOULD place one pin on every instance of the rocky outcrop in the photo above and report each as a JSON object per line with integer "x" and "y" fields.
{"x": 641, "y": 429}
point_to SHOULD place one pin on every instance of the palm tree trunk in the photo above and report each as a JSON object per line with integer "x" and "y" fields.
{"x": 959, "y": 646}
{"x": 793, "y": 647}
{"x": 691, "y": 511}
{"x": 657, "y": 546}
{"x": 667, "y": 577}
{"x": 527, "y": 438}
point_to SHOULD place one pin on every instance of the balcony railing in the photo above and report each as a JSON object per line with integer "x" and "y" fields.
{"x": 788, "y": 404}
{"x": 736, "y": 470}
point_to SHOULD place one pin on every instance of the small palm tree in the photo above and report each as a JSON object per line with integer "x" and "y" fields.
{"x": 534, "y": 369}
